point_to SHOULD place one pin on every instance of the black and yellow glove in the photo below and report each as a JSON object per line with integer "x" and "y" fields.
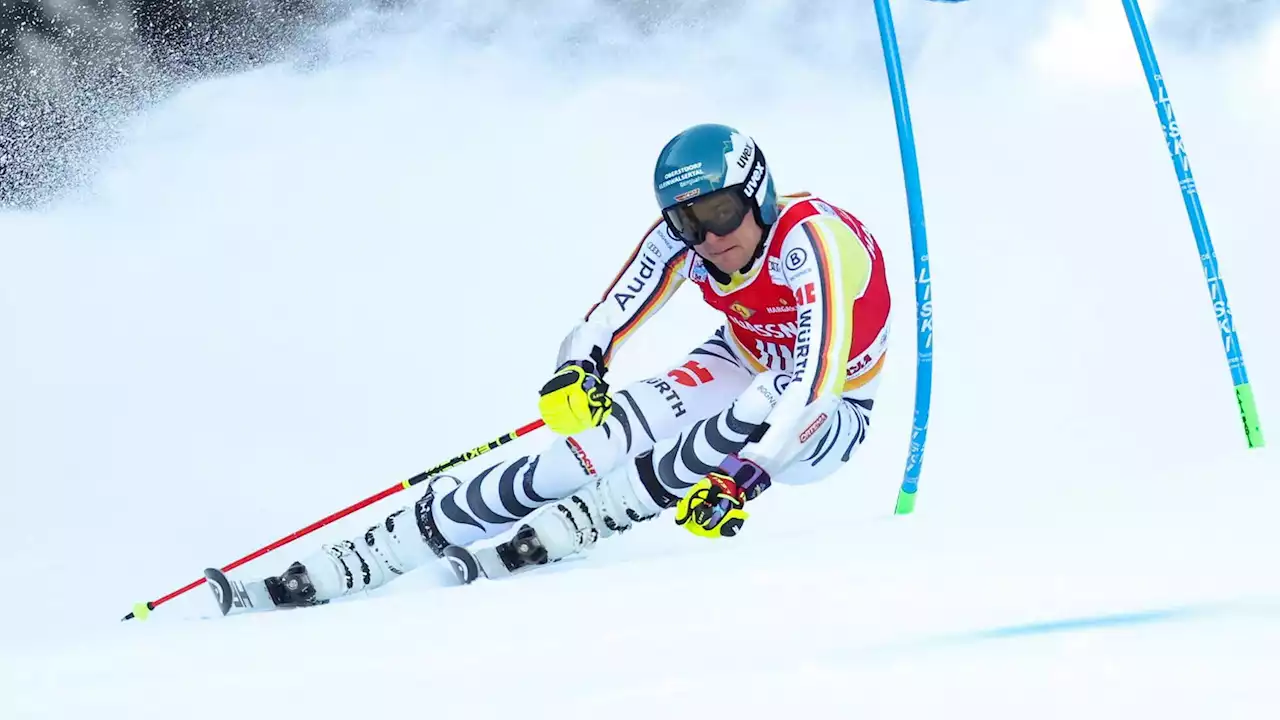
{"x": 576, "y": 398}
{"x": 713, "y": 506}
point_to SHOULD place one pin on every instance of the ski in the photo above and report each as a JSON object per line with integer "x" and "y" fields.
{"x": 235, "y": 597}
{"x": 523, "y": 552}
{"x": 465, "y": 565}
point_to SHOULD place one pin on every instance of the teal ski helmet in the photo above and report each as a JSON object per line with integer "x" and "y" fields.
{"x": 708, "y": 177}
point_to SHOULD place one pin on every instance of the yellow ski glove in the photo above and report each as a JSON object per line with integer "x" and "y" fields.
{"x": 713, "y": 506}
{"x": 576, "y": 398}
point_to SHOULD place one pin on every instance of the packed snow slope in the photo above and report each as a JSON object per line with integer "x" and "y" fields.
{"x": 292, "y": 288}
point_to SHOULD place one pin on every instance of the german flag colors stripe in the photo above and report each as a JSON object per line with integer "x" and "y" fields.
{"x": 617, "y": 278}
{"x": 844, "y": 271}
{"x": 671, "y": 280}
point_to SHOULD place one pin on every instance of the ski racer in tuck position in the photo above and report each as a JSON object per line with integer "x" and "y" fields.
{"x": 783, "y": 391}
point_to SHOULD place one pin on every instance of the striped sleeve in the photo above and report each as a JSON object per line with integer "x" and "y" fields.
{"x": 647, "y": 281}
{"x": 828, "y": 269}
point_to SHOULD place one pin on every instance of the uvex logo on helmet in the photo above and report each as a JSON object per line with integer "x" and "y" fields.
{"x": 757, "y": 174}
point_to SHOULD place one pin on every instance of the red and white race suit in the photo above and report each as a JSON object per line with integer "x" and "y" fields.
{"x": 814, "y": 308}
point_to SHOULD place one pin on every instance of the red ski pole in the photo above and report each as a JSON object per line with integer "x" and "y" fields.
{"x": 141, "y": 610}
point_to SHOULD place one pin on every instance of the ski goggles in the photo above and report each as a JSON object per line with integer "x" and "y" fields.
{"x": 720, "y": 212}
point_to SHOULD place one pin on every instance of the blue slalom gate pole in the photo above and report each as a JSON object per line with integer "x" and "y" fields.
{"x": 920, "y": 251}
{"x": 1191, "y": 198}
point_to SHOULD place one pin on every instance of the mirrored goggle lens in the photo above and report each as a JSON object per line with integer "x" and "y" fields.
{"x": 720, "y": 212}
{"x": 683, "y": 225}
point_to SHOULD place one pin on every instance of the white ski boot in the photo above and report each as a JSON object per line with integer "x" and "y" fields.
{"x": 602, "y": 508}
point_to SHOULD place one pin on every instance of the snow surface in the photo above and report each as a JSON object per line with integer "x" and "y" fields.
{"x": 291, "y": 288}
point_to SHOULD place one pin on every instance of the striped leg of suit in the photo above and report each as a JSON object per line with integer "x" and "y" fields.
{"x": 646, "y": 412}
{"x": 644, "y": 486}
{"x": 583, "y": 506}
{"x": 839, "y": 439}
{"x": 673, "y": 465}
{"x": 657, "y": 411}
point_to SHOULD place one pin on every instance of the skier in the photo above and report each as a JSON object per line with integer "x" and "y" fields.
{"x": 782, "y": 391}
